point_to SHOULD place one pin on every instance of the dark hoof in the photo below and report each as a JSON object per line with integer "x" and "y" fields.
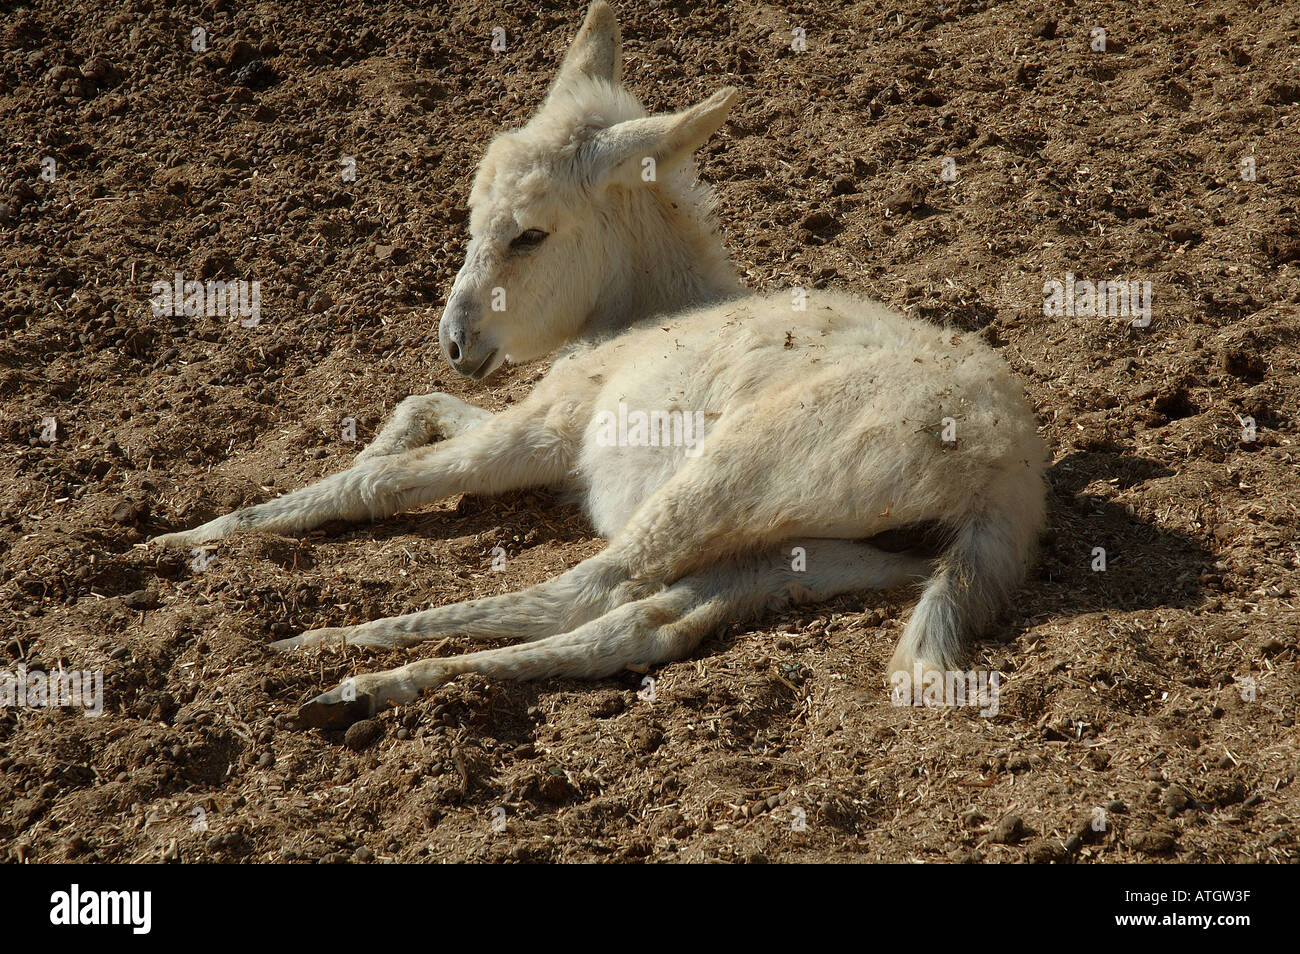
{"x": 331, "y": 711}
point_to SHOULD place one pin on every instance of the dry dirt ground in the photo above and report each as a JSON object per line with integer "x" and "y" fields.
{"x": 1161, "y": 691}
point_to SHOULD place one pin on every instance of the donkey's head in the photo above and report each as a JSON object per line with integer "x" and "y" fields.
{"x": 585, "y": 220}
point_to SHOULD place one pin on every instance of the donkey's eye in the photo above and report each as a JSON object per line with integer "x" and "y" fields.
{"x": 527, "y": 239}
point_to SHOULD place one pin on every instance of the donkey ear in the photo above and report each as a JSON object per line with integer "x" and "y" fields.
{"x": 620, "y": 151}
{"x": 597, "y": 50}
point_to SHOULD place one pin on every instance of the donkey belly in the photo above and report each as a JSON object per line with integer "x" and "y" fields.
{"x": 632, "y": 446}
{"x": 618, "y": 483}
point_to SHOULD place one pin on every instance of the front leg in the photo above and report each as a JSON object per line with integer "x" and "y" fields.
{"x": 513, "y": 450}
{"x": 421, "y": 419}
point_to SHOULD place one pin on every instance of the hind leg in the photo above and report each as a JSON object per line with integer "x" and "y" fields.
{"x": 588, "y": 590}
{"x": 663, "y": 626}
{"x": 545, "y": 609}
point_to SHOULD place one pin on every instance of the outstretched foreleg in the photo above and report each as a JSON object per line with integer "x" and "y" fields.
{"x": 513, "y": 450}
{"x": 420, "y": 420}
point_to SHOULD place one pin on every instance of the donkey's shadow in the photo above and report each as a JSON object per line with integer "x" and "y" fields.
{"x": 546, "y": 517}
{"x": 1094, "y": 555}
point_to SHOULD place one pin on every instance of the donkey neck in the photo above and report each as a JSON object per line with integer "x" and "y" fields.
{"x": 673, "y": 261}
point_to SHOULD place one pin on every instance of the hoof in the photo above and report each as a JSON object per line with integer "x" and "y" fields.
{"x": 336, "y": 709}
{"x": 328, "y": 638}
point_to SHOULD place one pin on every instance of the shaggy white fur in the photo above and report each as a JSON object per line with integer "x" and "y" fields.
{"x": 736, "y": 450}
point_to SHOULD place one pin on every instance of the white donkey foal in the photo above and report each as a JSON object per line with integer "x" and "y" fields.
{"x": 772, "y": 427}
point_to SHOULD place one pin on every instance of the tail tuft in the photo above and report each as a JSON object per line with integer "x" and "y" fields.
{"x": 976, "y": 577}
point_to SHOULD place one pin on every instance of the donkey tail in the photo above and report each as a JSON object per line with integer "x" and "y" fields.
{"x": 976, "y": 575}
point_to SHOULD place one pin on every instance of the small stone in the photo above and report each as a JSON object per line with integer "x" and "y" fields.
{"x": 1008, "y": 831}
{"x": 910, "y": 196}
{"x": 817, "y": 221}
{"x": 255, "y": 74}
{"x": 364, "y": 855}
{"x": 1045, "y": 28}
{"x": 363, "y": 734}
{"x": 1044, "y": 852}
{"x": 129, "y": 512}
{"x": 1155, "y": 842}
{"x": 1174, "y": 800}
{"x": 241, "y": 51}
{"x": 140, "y": 600}
{"x": 96, "y": 68}
{"x": 321, "y": 301}
{"x": 1271, "y": 645}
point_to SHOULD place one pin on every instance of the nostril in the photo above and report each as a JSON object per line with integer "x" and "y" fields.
{"x": 453, "y": 351}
